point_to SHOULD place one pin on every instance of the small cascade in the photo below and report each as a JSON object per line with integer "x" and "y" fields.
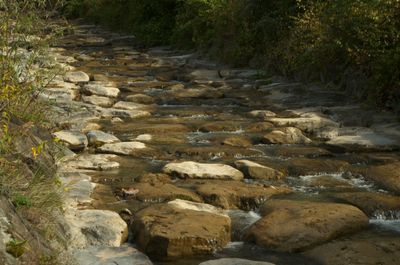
{"x": 386, "y": 220}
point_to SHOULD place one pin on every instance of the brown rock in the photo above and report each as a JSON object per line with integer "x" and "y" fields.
{"x": 257, "y": 171}
{"x": 387, "y": 176}
{"x": 236, "y": 194}
{"x": 180, "y": 228}
{"x": 237, "y": 141}
{"x": 306, "y": 166}
{"x": 288, "y": 135}
{"x": 297, "y": 225}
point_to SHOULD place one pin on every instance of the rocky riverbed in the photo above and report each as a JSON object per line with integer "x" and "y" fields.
{"x": 178, "y": 160}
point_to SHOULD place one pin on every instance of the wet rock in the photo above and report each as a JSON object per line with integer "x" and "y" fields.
{"x": 121, "y": 113}
{"x": 300, "y": 151}
{"x": 154, "y": 178}
{"x": 387, "y": 176}
{"x": 288, "y": 135}
{"x": 234, "y": 261}
{"x": 97, "y": 138}
{"x": 364, "y": 139}
{"x": 236, "y": 194}
{"x": 367, "y": 250}
{"x": 73, "y": 139}
{"x": 78, "y": 188}
{"x": 122, "y": 148}
{"x": 95, "y": 228}
{"x": 76, "y": 77}
{"x": 370, "y": 202}
{"x": 89, "y": 162}
{"x": 91, "y": 126}
{"x": 307, "y": 166}
{"x": 257, "y": 171}
{"x": 296, "y": 225}
{"x": 141, "y": 99}
{"x": 101, "y": 255}
{"x": 259, "y": 127}
{"x": 157, "y": 192}
{"x": 100, "y": 89}
{"x": 105, "y": 102}
{"x": 262, "y": 114}
{"x": 129, "y": 105}
{"x": 237, "y": 141}
{"x": 329, "y": 182}
{"x": 191, "y": 169}
{"x": 180, "y": 228}
{"x": 220, "y": 127}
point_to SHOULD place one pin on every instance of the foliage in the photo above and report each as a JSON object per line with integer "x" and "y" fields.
{"x": 16, "y": 248}
{"x": 353, "y": 44}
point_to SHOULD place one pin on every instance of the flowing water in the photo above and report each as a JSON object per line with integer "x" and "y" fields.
{"x": 191, "y": 119}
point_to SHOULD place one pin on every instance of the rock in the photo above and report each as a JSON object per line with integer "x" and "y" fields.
{"x": 370, "y": 203}
{"x": 191, "y": 169}
{"x": 257, "y": 171}
{"x": 237, "y": 141}
{"x": 101, "y": 255}
{"x": 156, "y": 192}
{"x": 129, "y": 105}
{"x": 104, "y": 102}
{"x": 73, "y": 139}
{"x": 101, "y": 90}
{"x": 95, "y": 228}
{"x": 180, "y": 228}
{"x": 234, "y": 261}
{"x": 140, "y": 98}
{"x": 116, "y": 120}
{"x": 144, "y": 137}
{"x": 307, "y": 166}
{"x": 121, "y": 113}
{"x": 358, "y": 250}
{"x": 221, "y": 126}
{"x": 78, "y": 188}
{"x": 259, "y": 127}
{"x": 122, "y": 148}
{"x": 91, "y": 126}
{"x": 297, "y": 225}
{"x": 364, "y": 139}
{"x": 89, "y": 162}
{"x": 387, "y": 176}
{"x": 76, "y": 77}
{"x": 235, "y": 194}
{"x": 97, "y": 138}
{"x": 310, "y": 122}
{"x": 262, "y": 114}
{"x": 288, "y": 135}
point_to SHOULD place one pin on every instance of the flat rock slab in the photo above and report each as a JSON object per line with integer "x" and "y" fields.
{"x": 297, "y": 225}
{"x": 105, "y": 102}
{"x": 365, "y": 140}
{"x": 95, "y": 228}
{"x": 191, "y": 169}
{"x": 256, "y": 171}
{"x": 101, "y": 255}
{"x": 130, "y": 105}
{"x": 288, "y": 135}
{"x": 97, "y": 137}
{"x": 235, "y": 194}
{"x": 387, "y": 176}
{"x": 121, "y": 113}
{"x": 121, "y": 148}
{"x": 180, "y": 228}
{"x": 76, "y": 77}
{"x": 101, "y": 90}
{"x": 90, "y": 162}
{"x": 73, "y": 139}
{"x": 233, "y": 261}
{"x": 78, "y": 188}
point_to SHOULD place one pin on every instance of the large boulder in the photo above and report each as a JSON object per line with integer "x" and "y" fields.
{"x": 287, "y": 135}
{"x": 256, "y": 171}
{"x": 387, "y": 176}
{"x": 121, "y": 148}
{"x": 234, "y": 261}
{"x": 297, "y": 225}
{"x": 73, "y": 139}
{"x": 97, "y": 138}
{"x": 180, "y": 228}
{"x": 236, "y": 194}
{"x": 194, "y": 170}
